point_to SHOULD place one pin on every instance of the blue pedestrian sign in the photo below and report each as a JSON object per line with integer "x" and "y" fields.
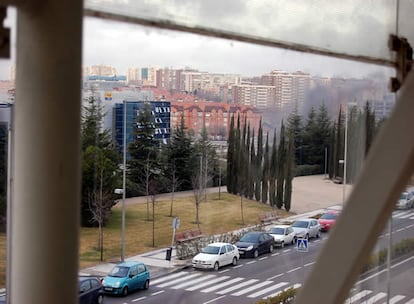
{"x": 302, "y": 245}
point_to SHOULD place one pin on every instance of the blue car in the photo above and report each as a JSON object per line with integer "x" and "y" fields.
{"x": 90, "y": 290}
{"x": 126, "y": 277}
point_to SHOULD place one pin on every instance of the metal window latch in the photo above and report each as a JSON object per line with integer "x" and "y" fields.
{"x": 404, "y": 60}
{"x": 4, "y": 35}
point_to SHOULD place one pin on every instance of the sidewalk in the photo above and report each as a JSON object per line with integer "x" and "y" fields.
{"x": 311, "y": 195}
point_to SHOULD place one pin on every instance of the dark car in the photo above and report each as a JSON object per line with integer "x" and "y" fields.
{"x": 90, "y": 290}
{"x": 254, "y": 243}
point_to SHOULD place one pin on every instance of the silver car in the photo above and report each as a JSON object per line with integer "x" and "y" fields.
{"x": 306, "y": 228}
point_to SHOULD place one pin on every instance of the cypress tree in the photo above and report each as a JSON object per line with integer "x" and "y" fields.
{"x": 289, "y": 172}
{"x": 230, "y": 157}
{"x": 273, "y": 172}
{"x": 281, "y": 168}
{"x": 258, "y": 164}
{"x": 265, "y": 174}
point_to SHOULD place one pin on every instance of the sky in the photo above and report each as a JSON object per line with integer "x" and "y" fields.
{"x": 125, "y": 45}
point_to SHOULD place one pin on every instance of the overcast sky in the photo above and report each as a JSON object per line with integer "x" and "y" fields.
{"x": 355, "y": 29}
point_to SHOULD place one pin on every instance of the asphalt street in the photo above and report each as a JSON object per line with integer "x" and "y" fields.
{"x": 254, "y": 279}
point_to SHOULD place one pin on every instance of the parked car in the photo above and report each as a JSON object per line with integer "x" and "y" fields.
{"x": 254, "y": 243}
{"x": 283, "y": 234}
{"x": 216, "y": 255}
{"x": 90, "y": 290}
{"x": 125, "y": 277}
{"x": 327, "y": 220}
{"x": 306, "y": 228}
{"x": 406, "y": 200}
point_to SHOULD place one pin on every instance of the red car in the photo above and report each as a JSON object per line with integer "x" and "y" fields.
{"x": 327, "y": 220}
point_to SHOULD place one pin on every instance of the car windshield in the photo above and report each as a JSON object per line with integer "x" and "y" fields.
{"x": 119, "y": 271}
{"x": 403, "y": 196}
{"x": 328, "y": 216}
{"x": 300, "y": 224}
{"x": 277, "y": 230}
{"x": 250, "y": 238}
{"x": 211, "y": 250}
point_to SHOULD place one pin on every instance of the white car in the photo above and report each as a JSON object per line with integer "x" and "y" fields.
{"x": 306, "y": 228}
{"x": 283, "y": 235}
{"x": 406, "y": 200}
{"x": 216, "y": 255}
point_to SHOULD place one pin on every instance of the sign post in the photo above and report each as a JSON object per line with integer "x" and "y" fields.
{"x": 302, "y": 246}
{"x": 175, "y": 225}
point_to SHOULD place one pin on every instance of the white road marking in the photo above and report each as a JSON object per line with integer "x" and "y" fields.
{"x": 168, "y": 277}
{"x": 157, "y": 293}
{"x": 376, "y": 298}
{"x": 222, "y": 285}
{"x": 275, "y": 254}
{"x": 139, "y": 299}
{"x": 396, "y": 299}
{"x": 276, "y": 276}
{"x": 179, "y": 280}
{"x": 251, "y": 262}
{"x": 309, "y": 264}
{"x": 199, "y": 286}
{"x": 192, "y": 282}
{"x": 263, "y": 258}
{"x": 223, "y": 271}
{"x": 248, "y": 282}
{"x": 294, "y": 269}
{"x": 358, "y": 296}
{"x": 251, "y": 288}
{"x": 266, "y": 290}
{"x": 214, "y": 300}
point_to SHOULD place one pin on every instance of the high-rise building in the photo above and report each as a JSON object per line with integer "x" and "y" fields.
{"x": 161, "y": 118}
{"x": 134, "y": 75}
{"x": 289, "y": 87}
{"x": 260, "y": 96}
{"x": 102, "y": 70}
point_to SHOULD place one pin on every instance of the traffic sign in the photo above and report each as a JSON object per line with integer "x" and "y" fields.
{"x": 302, "y": 245}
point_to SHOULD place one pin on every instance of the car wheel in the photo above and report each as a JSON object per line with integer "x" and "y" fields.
{"x": 234, "y": 261}
{"x": 271, "y": 248}
{"x": 294, "y": 240}
{"x": 125, "y": 291}
{"x": 256, "y": 253}
{"x": 307, "y": 236}
{"x": 146, "y": 284}
{"x": 282, "y": 245}
{"x": 318, "y": 234}
{"x": 216, "y": 266}
{"x": 100, "y": 299}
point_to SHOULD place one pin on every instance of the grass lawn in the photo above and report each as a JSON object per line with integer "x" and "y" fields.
{"x": 216, "y": 216}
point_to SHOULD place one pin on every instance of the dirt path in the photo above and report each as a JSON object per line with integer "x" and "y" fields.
{"x": 309, "y": 193}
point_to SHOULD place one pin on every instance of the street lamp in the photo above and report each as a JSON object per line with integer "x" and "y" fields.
{"x": 123, "y": 188}
{"x": 353, "y": 104}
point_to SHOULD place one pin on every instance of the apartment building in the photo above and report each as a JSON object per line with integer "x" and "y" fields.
{"x": 259, "y": 96}
{"x": 289, "y": 87}
{"x": 214, "y": 116}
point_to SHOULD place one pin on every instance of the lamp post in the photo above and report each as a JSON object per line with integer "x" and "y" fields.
{"x": 346, "y": 149}
{"x": 123, "y": 188}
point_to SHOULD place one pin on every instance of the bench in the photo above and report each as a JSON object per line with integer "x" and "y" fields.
{"x": 267, "y": 217}
{"x": 188, "y": 235}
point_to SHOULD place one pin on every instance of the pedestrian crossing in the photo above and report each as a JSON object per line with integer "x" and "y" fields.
{"x": 404, "y": 214}
{"x": 225, "y": 285}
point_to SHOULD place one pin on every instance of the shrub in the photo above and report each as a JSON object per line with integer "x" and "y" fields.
{"x": 285, "y": 297}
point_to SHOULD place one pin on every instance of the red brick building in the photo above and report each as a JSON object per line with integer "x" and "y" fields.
{"x": 215, "y": 116}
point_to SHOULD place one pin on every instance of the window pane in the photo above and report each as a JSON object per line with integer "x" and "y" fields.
{"x": 332, "y": 25}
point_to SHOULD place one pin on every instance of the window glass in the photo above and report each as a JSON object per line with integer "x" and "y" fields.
{"x": 333, "y": 25}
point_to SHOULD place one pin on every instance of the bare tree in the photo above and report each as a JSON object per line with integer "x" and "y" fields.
{"x": 153, "y": 190}
{"x": 175, "y": 183}
{"x": 197, "y": 183}
{"x": 100, "y": 203}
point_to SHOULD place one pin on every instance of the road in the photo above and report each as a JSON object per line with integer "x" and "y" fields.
{"x": 254, "y": 279}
